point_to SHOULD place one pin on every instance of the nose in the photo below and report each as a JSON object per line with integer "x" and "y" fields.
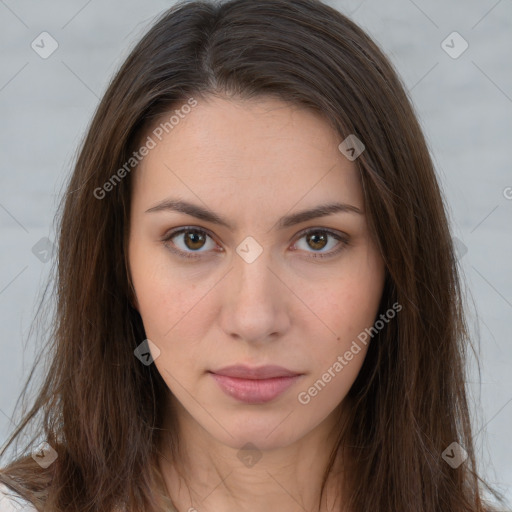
{"x": 256, "y": 304}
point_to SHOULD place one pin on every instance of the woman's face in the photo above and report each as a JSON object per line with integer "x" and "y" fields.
{"x": 230, "y": 276}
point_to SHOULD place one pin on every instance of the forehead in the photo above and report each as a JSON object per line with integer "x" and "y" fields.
{"x": 245, "y": 152}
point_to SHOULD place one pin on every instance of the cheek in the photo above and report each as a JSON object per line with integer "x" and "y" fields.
{"x": 165, "y": 323}
{"x": 351, "y": 302}
{"x": 347, "y": 306}
{"x": 175, "y": 310}
{"x": 158, "y": 284}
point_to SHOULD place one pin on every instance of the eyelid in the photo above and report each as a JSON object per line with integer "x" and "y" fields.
{"x": 166, "y": 238}
{"x": 341, "y": 237}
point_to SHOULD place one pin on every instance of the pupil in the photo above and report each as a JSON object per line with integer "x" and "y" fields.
{"x": 194, "y": 237}
{"x": 315, "y": 243}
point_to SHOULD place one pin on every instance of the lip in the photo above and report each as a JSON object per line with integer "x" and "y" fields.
{"x": 261, "y": 372}
{"x": 254, "y": 385}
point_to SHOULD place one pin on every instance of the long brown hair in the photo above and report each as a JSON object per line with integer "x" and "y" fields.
{"x": 101, "y": 410}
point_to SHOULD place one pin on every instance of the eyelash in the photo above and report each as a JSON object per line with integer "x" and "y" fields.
{"x": 191, "y": 255}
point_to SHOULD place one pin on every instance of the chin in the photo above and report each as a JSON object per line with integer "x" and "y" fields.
{"x": 266, "y": 433}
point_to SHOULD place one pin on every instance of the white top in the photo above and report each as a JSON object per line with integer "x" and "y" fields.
{"x": 13, "y": 502}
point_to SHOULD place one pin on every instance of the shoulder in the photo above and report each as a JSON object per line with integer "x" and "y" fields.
{"x": 10, "y": 501}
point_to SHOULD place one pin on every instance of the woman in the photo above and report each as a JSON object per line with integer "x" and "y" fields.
{"x": 258, "y": 298}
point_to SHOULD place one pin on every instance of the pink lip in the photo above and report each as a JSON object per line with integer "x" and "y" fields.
{"x": 262, "y": 372}
{"x": 254, "y": 385}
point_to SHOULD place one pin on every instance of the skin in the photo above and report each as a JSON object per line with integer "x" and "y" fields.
{"x": 251, "y": 162}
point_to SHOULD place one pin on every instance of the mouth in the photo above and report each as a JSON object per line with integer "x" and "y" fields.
{"x": 255, "y": 385}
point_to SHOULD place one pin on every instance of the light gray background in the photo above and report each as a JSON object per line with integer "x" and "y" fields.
{"x": 464, "y": 104}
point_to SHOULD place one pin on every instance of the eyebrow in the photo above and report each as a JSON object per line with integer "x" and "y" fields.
{"x": 204, "y": 214}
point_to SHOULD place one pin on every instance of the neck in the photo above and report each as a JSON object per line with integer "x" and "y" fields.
{"x": 206, "y": 475}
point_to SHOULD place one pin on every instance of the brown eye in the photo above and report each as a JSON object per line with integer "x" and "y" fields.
{"x": 187, "y": 241}
{"x": 318, "y": 239}
{"x": 194, "y": 239}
